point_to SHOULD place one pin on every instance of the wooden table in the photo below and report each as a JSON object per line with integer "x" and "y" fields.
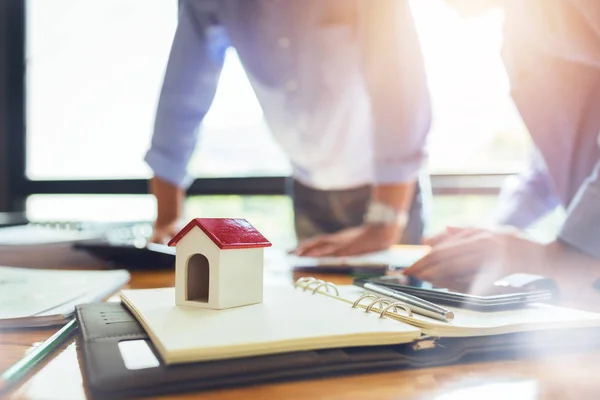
{"x": 572, "y": 376}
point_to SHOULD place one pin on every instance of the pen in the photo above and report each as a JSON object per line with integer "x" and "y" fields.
{"x": 416, "y": 304}
{"x": 26, "y": 364}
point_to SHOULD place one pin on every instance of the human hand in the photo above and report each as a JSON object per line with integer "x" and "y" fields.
{"x": 162, "y": 234}
{"x": 169, "y": 202}
{"x": 452, "y": 233}
{"x": 351, "y": 241}
{"x": 478, "y": 257}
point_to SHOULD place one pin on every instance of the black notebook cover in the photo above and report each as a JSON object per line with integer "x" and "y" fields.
{"x": 102, "y": 326}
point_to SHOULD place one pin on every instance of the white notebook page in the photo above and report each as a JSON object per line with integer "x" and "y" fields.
{"x": 467, "y": 323}
{"x": 288, "y": 319}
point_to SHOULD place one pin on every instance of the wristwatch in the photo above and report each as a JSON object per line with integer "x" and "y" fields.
{"x": 379, "y": 213}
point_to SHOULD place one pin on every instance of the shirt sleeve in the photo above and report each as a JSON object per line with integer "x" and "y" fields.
{"x": 189, "y": 86}
{"x": 581, "y": 228}
{"x": 394, "y": 72}
{"x": 527, "y": 197}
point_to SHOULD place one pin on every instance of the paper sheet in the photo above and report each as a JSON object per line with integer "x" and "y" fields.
{"x": 537, "y": 316}
{"x": 26, "y": 292}
{"x": 396, "y": 256}
{"x": 288, "y": 319}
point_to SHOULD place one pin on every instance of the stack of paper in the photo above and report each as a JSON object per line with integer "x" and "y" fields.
{"x": 42, "y": 297}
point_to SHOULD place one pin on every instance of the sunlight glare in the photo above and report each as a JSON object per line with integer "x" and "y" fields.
{"x": 235, "y": 104}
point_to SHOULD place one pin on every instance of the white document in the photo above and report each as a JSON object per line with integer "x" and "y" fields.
{"x": 396, "y": 256}
{"x": 469, "y": 323}
{"x": 36, "y": 297}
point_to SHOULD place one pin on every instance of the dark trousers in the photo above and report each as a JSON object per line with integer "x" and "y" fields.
{"x": 328, "y": 211}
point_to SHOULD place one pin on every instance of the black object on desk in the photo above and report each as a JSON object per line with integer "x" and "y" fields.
{"x": 120, "y": 361}
{"x": 129, "y": 255}
{"x": 500, "y": 297}
{"x": 368, "y": 270}
{"x": 12, "y": 219}
{"x": 118, "y": 244}
{"x": 128, "y": 246}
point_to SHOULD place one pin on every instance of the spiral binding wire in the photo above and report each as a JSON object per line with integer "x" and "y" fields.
{"x": 310, "y": 281}
{"x": 385, "y": 304}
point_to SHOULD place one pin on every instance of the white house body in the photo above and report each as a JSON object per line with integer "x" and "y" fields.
{"x": 213, "y": 273}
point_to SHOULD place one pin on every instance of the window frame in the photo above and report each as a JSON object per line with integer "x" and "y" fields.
{"x": 12, "y": 105}
{"x": 15, "y": 186}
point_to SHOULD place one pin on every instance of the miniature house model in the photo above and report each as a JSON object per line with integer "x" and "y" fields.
{"x": 219, "y": 263}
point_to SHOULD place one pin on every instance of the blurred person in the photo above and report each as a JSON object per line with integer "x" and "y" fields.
{"x": 552, "y": 54}
{"x": 527, "y": 197}
{"x": 343, "y": 89}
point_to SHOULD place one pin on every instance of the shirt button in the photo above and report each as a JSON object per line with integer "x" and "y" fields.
{"x": 291, "y": 86}
{"x": 283, "y": 42}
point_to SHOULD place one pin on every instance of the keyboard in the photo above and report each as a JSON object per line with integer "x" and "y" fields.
{"x": 128, "y": 246}
{"x": 120, "y": 245}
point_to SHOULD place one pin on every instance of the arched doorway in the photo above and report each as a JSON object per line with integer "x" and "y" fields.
{"x": 197, "y": 278}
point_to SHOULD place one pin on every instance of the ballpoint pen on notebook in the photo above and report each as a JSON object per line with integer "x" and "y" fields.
{"x": 417, "y": 305}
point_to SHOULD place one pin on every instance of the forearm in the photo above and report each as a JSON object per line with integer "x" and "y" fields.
{"x": 387, "y": 215}
{"x": 399, "y": 196}
{"x": 169, "y": 201}
{"x": 574, "y": 257}
{"x": 573, "y": 271}
{"x": 188, "y": 88}
{"x": 526, "y": 198}
{"x": 581, "y": 228}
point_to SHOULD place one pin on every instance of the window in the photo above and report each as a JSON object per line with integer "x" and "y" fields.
{"x": 476, "y": 127}
{"x": 235, "y": 138}
{"x": 271, "y": 215}
{"x": 95, "y": 70}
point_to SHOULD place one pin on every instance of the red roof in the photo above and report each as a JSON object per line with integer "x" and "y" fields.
{"x": 227, "y": 233}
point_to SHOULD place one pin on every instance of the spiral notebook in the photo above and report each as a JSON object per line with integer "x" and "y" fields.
{"x": 121, "y": 362}
{"x": 287, "y": 320}
{"x": 313, "y": 315}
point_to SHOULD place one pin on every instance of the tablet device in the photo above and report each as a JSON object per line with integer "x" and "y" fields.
{"x": 500, "y": 297}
